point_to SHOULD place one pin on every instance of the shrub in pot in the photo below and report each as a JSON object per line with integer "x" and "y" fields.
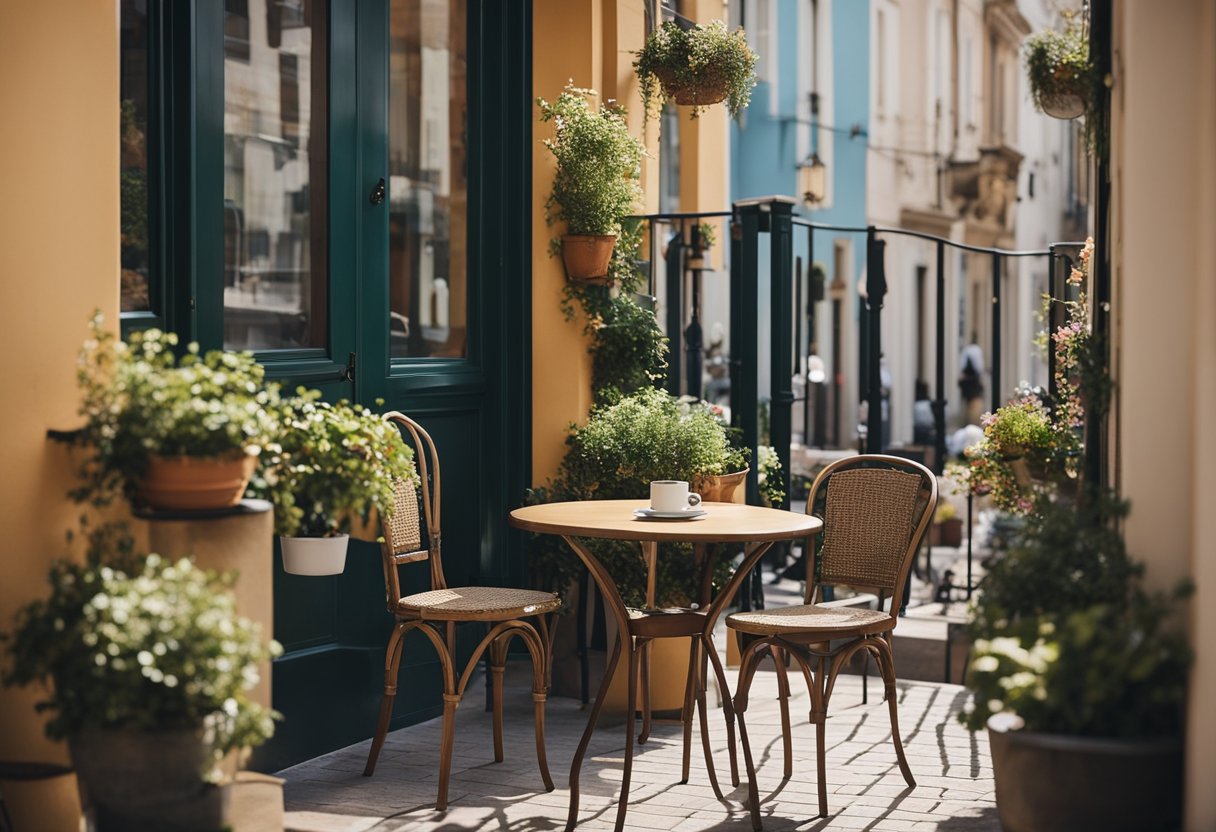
{"x": 333, "y": 463}
{"x": 149, "y": 669}
{"x": 596, "y": 181}
{"x": 170, "y": 432}
{"x": 697, "y": 66}
{"x": 1079, "y": 678}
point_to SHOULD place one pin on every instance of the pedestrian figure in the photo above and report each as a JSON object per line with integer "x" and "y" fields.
{"x": 971, "y": 380}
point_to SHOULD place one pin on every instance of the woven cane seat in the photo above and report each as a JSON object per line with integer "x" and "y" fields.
{"x": 477, "y": 603}
{"x": 811, "y": 619}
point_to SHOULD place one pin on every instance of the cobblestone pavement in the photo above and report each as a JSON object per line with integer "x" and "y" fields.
{"x": 954, "y": 791}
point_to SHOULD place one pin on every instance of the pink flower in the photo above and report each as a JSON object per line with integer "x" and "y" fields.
{"x": 988, "y": 419}
{"x": 1077, "y": 277}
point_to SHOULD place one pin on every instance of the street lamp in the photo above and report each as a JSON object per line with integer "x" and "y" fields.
{"x": 812, "y": 180}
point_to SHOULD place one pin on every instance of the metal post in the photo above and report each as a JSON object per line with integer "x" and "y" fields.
{"x": 694, "y": 357}
{"x": 837, "y": 365}
{"x": 1051, "y": 323}
{"x": 781, "y": 251}
{"x": 800, "y": 363}
{"x": 675, "y": 308}
{"x": 876, "y": 290}
{"x": 939, "y": 405}
{"x": 997, "y": 395}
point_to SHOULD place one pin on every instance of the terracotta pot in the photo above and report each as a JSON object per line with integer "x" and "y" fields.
{"x": 947, "y": 533}
{"x": 586, "y": 257}
{"x": 190, "y": 483}
{"x": 1059, "y": 783}
{"x": 315, "y": 555}
{"x": 147, "y": 780}
{"x": 708, "y": 87}
{"x": 727, "y": 488}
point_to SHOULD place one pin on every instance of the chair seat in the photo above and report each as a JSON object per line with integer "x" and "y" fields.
{"x": 812, "y": 620}
{"x": 477, "y": 603}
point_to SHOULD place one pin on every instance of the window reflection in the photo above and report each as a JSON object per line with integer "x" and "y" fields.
{"x": 133, "y": 156}
{"x": 428, "y": 185}
{"x": 275, "y": 275}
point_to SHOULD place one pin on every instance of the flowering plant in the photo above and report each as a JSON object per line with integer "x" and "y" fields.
{"x": 1066, "y": 638}
{"x": 332, "y": 461}
{"x": 142, "y": 643}
{"x": 1028, "y": 443}
{"x": 140, "y": 399}
{"x": 700, "y": 66}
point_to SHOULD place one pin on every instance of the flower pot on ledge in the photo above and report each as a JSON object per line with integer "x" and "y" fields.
{"x": 189, "y": 483}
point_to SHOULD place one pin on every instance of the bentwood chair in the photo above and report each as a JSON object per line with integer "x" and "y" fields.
{"x": 410, "y": 537}
{"x": 875, "y": 510}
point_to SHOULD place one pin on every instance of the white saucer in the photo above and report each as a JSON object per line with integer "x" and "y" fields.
{"x": 686, "y": 514}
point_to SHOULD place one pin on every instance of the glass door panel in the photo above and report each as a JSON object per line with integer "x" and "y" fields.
{"x": 275, "y": 174}
{"x": 428, "y": 179}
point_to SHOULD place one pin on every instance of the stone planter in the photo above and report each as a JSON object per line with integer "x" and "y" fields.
{"x": 147, "y": 780}
{"x": 1058, "y": 783}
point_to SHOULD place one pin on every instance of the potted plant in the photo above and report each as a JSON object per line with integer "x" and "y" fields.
{"x": 696, "y": 66}
{"x": 1078, "y": 678}
{"x": 1060, "y": 72}
{"x": 947, "y": 529}
{"x": 149, "y": 669}
{"x": 596, "y": 182}
{"x": 168, "y": 432}
{"x": 703, "y": 239}
{"x": 332, "y": 463}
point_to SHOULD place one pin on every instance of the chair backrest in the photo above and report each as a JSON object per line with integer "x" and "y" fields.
{"x": 875, "y": 510}
{"x": 412, "y": 531}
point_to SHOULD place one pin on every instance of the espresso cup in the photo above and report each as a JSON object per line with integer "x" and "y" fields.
{"x": 672, "y": 495}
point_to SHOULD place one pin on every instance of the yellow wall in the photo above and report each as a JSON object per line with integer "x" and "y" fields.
{"x": 594, "y": 43}
{"x": 58, "y": 262}
{"x": 1164, "y": 182}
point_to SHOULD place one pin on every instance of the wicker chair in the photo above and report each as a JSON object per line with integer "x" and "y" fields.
{"x": 875, "y": 511}
{"x": 409, "y": 538}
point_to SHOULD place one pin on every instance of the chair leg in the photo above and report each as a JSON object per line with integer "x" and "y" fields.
{"x": 644, "y": 658}
{"x": 727, "y": 705}
{"x": 539, "y": 646}
{"x": 498, "y": 664}
{"x": 581, "y": 752}
{"x": 686, "y": 712}
{"x": 450, "y": 701}
{"x": 746, "y": 670}
{"x": 392, "y": 663}
{"x": 886, "y": 665}
{"x": 783, "y": 696}
{"x": 703, "y": 711}
{"x": 630, "y": 721}
{"x": 825, "y": 672}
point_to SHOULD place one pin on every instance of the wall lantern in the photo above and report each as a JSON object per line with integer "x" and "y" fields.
{"x": 812, "y": 180}
{"x": 817, "y": 371}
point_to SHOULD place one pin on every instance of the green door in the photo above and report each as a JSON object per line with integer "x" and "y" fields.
{"x": 376, "y": 192}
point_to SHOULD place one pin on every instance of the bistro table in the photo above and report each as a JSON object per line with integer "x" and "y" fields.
{"x": 758, "y": 528}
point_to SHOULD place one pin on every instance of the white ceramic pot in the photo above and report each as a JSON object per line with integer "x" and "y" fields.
{"x": 315, "y": 555}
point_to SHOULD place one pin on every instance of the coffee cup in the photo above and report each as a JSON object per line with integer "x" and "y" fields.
{"x": 672, "y": 495}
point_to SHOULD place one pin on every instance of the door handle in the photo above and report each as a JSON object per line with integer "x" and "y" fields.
{"x": 378, "y": 192}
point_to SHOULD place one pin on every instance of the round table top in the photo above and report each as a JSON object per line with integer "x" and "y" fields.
{"x": 721, "y": 523}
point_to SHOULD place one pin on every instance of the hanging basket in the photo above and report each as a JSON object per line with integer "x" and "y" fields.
{"x": 315, "y": 556}
{"x": 706, "y": 87}
{"x": 190, "y": 483}
{"x": 1063, "y": 105}
{"x": 587, "y": 256}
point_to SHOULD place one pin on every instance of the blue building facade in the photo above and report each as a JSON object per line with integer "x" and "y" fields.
{"x": 805, "y": 47}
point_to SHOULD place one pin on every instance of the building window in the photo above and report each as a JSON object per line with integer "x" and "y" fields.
{"x": 136, "y": 263}
{"x": 275, "y": 174}
{"x": 428, "y": 178}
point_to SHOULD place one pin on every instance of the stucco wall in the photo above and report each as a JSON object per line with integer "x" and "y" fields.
{"x": 58, "y": 261}
{"x": 1164, "y": 180}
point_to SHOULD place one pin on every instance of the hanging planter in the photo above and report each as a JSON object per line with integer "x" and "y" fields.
{"x": 1060, "y": 73}
{"x": 587, "y": 257}
{"x": 315, "y": 555}
{"x": 696, "y": 67}
{"x": 595, "y": 184}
